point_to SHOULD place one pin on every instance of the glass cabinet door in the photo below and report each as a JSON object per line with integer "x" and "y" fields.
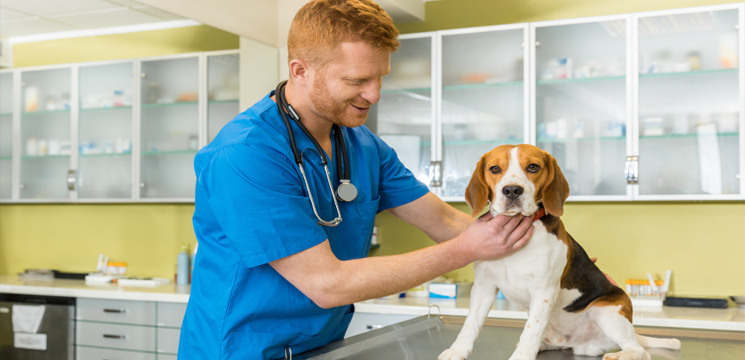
{"x": 169, "y": 127}
{"x": 223, "y": 83}
{"x": 483, "y": 97}
{"x": 404, "y": 116}
{"x": 105, "y": 132}
{"x": 689, "y": 103}
{"x": 45, "y": 134}
{"x": 6, "y": 134}
{"x": 581, "y": 103}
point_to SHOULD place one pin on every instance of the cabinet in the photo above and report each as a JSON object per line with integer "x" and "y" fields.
{"x": 114, "y": 131}
{"x": 581, "y": 102}
{"x": 127, "y": 329}
{"x": 6, "y": 133}
{"x": 643, "y": 106}
{"x": 689, "y": 103}
{"x": 404, "y": 116}
{"x": 483, "y": 98}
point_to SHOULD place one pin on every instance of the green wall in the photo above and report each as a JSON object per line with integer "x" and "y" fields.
{"x": 453, "y": 14}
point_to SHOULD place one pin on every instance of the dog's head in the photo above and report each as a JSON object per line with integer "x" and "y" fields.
{"x": 515, "y": 179}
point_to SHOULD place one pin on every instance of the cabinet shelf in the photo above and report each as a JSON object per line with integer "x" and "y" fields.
{"x": 481, "y": 85}
{"x": 41, "y": 112}
{"x": 231, "y": 101}
{"x": 689, "y": 73}
{"x": 584, "y": 139}
{"x": 476, "y": 142}
{"x": 580, "y": 80}
{"x": 44, "y": 156}
{"x": 150, "y": 153}
{"x": 6, "y": 157}
{"x": 6, "y": 114}
{"x": 683, "y": 136}
{"x": 181, "y": 103}
{"x": 105, "y": 154}
{"x": 455, "y": 87}
{"x": 106, "y": 108}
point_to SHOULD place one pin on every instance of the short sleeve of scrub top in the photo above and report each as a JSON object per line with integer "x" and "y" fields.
{"x": 268, "y": 196}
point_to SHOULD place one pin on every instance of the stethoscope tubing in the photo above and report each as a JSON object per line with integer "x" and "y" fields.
{"x": 285, "y": 108}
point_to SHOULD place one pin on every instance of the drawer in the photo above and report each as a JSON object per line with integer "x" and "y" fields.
{"x": 86, "y": 353}
{"x": 171, "y": 314}
{"x": 364, "y": 322}
{"x": 128, "y": 337}
{"x": 116, "y": 311}
{"x": 168, "y": 341}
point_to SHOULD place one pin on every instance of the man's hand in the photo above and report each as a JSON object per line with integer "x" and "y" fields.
{"x": 490, "y": 238}
{"x": 606, "y": 275}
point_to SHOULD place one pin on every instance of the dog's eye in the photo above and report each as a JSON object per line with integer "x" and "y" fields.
{"x": 495, "y": 169}
{"x": 533, "y": 168}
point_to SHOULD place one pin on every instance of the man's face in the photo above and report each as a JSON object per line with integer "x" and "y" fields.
{"x": 349, "y": 84}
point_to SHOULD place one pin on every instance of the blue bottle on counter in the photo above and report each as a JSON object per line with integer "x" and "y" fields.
{"x": 182, "y": 267}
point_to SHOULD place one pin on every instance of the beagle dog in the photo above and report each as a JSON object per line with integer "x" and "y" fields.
{"x": 570, "y": 302}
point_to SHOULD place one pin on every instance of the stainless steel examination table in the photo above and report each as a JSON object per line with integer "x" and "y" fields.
{"x": 426, "y": 337}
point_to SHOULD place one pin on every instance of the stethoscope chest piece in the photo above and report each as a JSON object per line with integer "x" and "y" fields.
{"x": 346, "y": 191}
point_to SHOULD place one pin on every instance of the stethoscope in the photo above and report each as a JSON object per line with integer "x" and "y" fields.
{"x": 346, "y": 191}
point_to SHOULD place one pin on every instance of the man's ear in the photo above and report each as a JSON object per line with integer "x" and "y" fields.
{"x": 557, "y": 190}
{"x": 478, "y": 192}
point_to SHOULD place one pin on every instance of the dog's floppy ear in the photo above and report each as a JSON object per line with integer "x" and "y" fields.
{"x": 557, "y": 190}
{"x": 478, "y": 192}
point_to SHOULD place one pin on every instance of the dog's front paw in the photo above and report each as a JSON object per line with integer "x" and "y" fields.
{"x": 454, "y": 354}
{"x": 522, "y": 354}
{"x": 633, "y": 354}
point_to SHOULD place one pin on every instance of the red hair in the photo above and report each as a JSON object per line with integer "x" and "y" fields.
{"x": 320, "y": 25}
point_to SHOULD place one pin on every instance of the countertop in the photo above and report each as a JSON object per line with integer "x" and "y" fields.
{"x": 732, "y": 319}
{"x": 12, "y": 284}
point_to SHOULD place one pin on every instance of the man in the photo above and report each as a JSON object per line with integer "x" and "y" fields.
{"x": 268, "y": 276}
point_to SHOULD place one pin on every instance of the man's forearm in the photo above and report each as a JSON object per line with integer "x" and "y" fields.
{"x": 373, "y": 277}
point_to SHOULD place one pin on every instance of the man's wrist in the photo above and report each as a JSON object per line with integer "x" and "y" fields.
{"x": 459, "y": 252}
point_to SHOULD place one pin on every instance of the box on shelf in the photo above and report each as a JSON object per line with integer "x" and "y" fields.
{"x": 449, "y": 291}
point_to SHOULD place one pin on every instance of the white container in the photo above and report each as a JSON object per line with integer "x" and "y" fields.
{"x": 31, "y": 146}
{"x": 42, "y": 148}
{"x": 32, "y": 99}
{"x": 54, "y": 147}
{"x": 449, "y": 291}
{"x": 561, "y": 129}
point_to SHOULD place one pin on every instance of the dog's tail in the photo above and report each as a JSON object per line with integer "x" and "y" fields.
{"x": 650, "y": 342}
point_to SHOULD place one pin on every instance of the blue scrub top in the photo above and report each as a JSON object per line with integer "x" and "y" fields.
{"x": 251, "y": 208}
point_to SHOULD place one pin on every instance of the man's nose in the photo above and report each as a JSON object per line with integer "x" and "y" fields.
{"x": 371, "y": 92}
{"x": 512, "y": 192}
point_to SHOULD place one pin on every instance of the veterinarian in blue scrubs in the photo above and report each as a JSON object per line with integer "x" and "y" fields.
{"x": 268, "y": 278}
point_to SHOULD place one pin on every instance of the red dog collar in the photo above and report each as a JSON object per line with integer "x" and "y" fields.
{"x": 539, "y": 214}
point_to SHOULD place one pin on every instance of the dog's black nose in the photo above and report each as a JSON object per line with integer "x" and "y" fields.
{"x": 512, "y": 192}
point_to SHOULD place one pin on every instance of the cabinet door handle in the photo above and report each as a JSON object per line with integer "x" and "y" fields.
{"x": 110, "y": 336}
{"x": 71, "y": 179}
{"x": 435, "y": 173}
{"x": 116, "y": 311}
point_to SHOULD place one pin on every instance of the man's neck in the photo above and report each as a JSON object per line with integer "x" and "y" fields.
{"x": 319, "y": 127}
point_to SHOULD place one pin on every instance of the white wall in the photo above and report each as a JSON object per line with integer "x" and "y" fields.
{"x": 259, "y": 71}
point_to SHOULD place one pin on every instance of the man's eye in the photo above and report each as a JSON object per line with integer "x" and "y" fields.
{"x": 495, "y": 169}
{"x": 533, "y": 168}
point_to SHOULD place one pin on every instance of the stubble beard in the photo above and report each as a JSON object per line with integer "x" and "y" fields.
{"x": 330, "y": 108}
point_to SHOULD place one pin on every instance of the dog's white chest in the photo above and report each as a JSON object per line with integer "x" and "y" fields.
{"x": 537, "y": 266}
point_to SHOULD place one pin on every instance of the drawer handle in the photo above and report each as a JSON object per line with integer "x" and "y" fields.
{"x": 117, "y": 311}
{"x": 370, "y": 327}
{"x": 109, "y": 336}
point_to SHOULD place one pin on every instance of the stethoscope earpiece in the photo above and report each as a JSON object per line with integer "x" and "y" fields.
{"x": 346, "y": 191}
